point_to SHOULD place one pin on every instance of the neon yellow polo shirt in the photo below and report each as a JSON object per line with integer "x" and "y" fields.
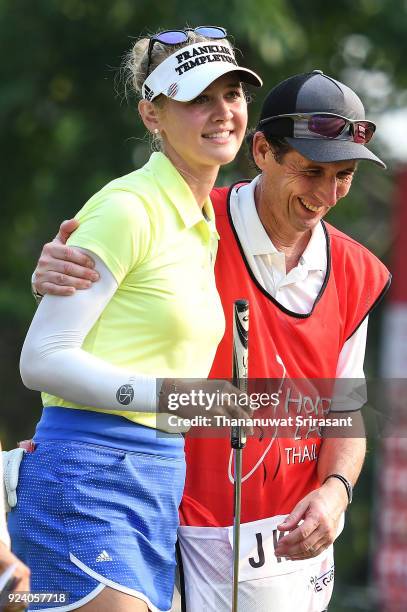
{"x": 166, "y": 318}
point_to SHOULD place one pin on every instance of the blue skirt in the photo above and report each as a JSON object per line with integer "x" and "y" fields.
{"x": 98, "y": 506}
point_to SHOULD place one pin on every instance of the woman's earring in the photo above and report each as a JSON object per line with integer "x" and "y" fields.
{"x": 156, "y": 140}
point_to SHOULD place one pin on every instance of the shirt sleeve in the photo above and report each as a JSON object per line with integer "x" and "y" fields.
{"x": 52, "y": 359}
{"x": 115, "y": 226}
{"x": 350, "y": 387}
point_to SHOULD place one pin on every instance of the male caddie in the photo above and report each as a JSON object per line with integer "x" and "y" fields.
{"x": 310, "y": 289}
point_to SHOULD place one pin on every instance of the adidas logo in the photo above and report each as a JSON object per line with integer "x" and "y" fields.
{"x": 104, "y": 556}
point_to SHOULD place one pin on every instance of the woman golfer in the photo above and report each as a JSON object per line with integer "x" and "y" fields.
{"x": 97, "y": 510}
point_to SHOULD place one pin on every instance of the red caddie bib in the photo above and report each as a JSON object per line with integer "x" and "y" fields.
{"x": 307, "y": 346}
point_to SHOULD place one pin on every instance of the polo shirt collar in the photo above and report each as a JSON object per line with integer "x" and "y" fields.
{"x": 257, "y": 237}
{"x": 314, "y": 255}
{"x": 179, "y": 193}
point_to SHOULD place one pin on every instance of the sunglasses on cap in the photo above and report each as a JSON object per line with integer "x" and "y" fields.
{"x": 176, "y": 37}
{"x": 328, "y": 125}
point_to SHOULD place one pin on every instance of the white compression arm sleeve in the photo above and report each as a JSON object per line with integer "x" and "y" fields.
{"x": 52, "y": 359}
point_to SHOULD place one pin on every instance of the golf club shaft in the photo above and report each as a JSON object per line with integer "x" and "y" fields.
{"x": 238, "y": 434}
{"x": 237, "y": 457}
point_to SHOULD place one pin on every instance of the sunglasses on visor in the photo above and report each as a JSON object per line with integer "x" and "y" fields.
{"x": 176, "y": 37}
{"x": 329, "y": 125}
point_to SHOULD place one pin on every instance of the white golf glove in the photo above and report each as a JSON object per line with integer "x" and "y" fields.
{"x": 11, "y": 468}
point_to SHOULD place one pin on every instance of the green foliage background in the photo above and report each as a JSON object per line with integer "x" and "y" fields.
{"x": 66, "y": 129}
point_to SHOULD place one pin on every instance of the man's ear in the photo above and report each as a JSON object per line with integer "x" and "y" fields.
{"x": 149, "y": 114}
{"x": 261, "y": 149}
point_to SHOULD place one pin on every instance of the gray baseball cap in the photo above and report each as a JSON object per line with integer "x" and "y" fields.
{"x": 310, "y": 111}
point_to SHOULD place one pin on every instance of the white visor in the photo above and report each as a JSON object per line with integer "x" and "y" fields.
{"x": 187, "y": 72}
